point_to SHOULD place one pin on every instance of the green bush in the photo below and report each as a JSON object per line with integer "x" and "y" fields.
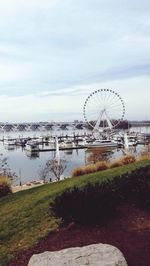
{"x": 5, "y": 187}
{"x": 94, "y": 203}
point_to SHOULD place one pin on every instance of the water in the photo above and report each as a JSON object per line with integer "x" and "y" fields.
{"x": 28, "y": 168}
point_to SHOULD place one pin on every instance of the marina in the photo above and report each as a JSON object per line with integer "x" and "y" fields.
{"x": 75, "y": 146}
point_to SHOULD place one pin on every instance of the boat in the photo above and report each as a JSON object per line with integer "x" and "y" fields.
{"x": 68, "y": 144}
{"x": 102, "y": 144}
{"x": 129, "y": 141}
{"x": 9, "y": 141}
{"x": 32, "y": 146}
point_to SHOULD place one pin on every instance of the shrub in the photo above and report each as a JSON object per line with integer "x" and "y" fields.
{"x": 5, "y": 187}
{"x": 144, "y": 157}
{"x": 94, "y": 203}
{"x": 103, "y": 165}
{"x": 90, "y": 168}
{"x": 78, "y": 171}
{"x": 82, "y": 170}
{"x": 116, "y": 163}
{"x": 123, "y": 161}
{"x": 128, "y": 159}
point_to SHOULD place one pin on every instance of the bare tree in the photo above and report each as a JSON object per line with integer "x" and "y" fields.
{"x": 44, "y": 172}
{"x": 57, "y": 167}
{"x": 52, "y": 166}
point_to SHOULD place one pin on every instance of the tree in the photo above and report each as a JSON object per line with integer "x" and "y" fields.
{"x": 57, "y": 167}
{"x": 44, "y": 172}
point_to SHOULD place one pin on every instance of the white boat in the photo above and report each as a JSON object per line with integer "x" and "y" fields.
{"x": 9, "y": 141}
{"x": 66, "y": 144}
{"x": 129, "y": 141}
{"x": 102, "y": 144}
{"x": 32, "y": 146}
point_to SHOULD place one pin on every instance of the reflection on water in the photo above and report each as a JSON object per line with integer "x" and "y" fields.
{"x": 99, "y": 154}
{"x": 29, "y": 164}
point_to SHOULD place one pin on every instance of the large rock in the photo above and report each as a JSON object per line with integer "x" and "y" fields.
{"x": 94, "y": 255}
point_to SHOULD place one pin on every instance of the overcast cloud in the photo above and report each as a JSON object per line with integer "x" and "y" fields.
{"x": 53, "y": 53}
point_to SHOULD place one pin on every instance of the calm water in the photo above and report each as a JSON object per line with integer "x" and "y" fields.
{"x": 28, "y": 167}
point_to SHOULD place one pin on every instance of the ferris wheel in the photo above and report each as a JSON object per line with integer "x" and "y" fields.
{"x": 103, "y": 109}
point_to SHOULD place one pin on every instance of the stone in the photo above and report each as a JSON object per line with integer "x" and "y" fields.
{"x": 93, "y": 255}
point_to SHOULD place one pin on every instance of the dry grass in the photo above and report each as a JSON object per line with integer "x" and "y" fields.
{"x": 83, "y": 170}
{"x": 128, "y": 159}
{"x": 116, "y": 163}
{"x": 4, "y": 180}
{"x": 103, "y": 165}
{"x": 78, "y": 171}
{"x": 123, "y": 161}
{"x": 90, "y": 168}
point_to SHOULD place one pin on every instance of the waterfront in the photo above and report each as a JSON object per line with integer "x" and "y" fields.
{"x": 27, "y": 168}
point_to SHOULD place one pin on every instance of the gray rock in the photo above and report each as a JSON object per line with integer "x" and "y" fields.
{"x": 93, "y": 255}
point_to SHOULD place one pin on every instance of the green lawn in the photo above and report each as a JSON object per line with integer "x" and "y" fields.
{"x": 25, "y": 216}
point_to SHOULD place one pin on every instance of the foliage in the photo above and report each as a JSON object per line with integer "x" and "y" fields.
{"x": 78, "y": 171}
{"x": 91, "y": 205}
{"x": 103, "y": 165}
{"x": 90, "y": 168}
{"x": 5, "y": 187}
{"x": 116, "y": 163}
{"x": 25, "y": 216}
{"x": 94, "y": 203}
{"x": 123, "y": 161}
{"x": 128, "y": 159}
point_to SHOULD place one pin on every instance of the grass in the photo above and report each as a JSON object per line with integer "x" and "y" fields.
{"x": 25, "y": 216}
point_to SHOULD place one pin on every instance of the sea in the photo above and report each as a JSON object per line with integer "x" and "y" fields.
{"x": 27, "y": 168}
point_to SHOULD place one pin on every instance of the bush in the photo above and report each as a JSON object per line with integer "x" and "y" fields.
{"x": 128, "y": 159}
{"x": 82, "y": 170}
{"x": 103, "y": 165}
{"x": 116, "y": 164}
{"x": 78, "y": 171}
{"x": 123, "y": 161}
{"x": 90, "y": 168}
{"x": 94, "y": 203}
{"x": 5, "y": 187}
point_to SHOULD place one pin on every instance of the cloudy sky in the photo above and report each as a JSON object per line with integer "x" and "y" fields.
{"x": 54, "y": 53}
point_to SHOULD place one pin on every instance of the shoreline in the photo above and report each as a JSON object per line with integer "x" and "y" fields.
{"x": 26, "y": 186}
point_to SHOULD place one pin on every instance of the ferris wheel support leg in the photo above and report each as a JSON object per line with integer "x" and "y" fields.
{"x": 97, "y": 126}
{"x": 108, "y": 120}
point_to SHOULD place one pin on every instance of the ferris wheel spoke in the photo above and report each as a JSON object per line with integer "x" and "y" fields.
{"x": 114, "y": 101}
{"x": 113, "y": 96}
{"x": 93, "y": 102}
{"x": 119, "y": 106}
{"x": 105, "y": 108}
{"x": 109, "y": 95}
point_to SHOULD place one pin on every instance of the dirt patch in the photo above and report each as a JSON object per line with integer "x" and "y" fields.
{"x": 129, "y": 231}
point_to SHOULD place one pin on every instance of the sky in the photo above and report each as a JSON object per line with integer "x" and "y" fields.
{"x": 54, "y": 53}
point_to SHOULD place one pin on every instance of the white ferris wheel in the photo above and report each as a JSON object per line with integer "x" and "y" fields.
{"x": 103, "y": 109}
